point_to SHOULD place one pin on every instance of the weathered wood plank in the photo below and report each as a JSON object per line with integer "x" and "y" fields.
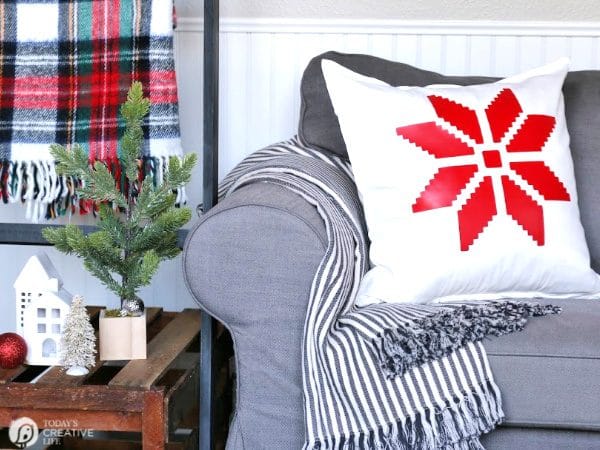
{"x": 158, "y": 323}
{"x": 162, "y": 351}
{"x": 7, "y": 375}
{"x": 93, "y": 398}
{"x": 76, "y": 420}
{"x": 186, "y": 360}
{"x": 152, "y": 314}
{"x": 57, "y": 377}
{"x": 154, "y": 436}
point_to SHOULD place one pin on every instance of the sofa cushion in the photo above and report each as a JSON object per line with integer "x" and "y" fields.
{"x": 582, "y": 109}
{"x": 509, "y": 438}
{"x": 320, "y": 128}
{"x": 549, "y": 373}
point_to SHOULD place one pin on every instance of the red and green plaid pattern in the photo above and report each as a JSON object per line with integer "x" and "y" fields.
{"x": 65, "y": 68}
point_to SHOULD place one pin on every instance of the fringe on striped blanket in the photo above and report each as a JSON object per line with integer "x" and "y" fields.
{"x": 65, "y": 68}
{"x": 387, "y": 376}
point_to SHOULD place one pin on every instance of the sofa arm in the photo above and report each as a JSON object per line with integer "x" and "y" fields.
{"x": 238, "y": 258}
{"x": 250, "y": 262}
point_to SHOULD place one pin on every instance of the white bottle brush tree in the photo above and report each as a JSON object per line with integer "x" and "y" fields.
{"x": 78, "y": 342}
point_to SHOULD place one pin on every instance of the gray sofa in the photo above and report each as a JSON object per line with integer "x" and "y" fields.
{"x": 250, "y": 262}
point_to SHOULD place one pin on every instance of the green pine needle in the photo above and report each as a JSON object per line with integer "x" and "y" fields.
{"x": 132, "y": 241}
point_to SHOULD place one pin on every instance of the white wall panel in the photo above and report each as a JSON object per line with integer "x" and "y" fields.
{"x": 262, "y": 61}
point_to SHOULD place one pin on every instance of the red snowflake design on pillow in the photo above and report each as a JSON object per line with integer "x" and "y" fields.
{"x": 513, "y": 134}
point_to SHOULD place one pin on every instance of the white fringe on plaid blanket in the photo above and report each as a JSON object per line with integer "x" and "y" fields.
{"x": 65, "y": 68}
{"x": 387, "y": 376}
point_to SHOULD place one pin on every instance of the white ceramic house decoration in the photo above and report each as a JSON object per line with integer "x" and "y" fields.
{"x": 42, "y": 306}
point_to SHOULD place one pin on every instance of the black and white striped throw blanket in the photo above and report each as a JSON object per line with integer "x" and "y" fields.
{"x": 388, "y": 376}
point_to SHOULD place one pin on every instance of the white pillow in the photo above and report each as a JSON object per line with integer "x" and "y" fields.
{"x": 468, "y": 192}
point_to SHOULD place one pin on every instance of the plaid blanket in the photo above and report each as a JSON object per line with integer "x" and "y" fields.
{"x": 65, "y": 68}
{"x": 386, "y": 376}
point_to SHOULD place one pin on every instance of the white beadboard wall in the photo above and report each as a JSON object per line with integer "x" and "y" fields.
{"x": 260, "y": 68}
{"x": 262, "y": 62}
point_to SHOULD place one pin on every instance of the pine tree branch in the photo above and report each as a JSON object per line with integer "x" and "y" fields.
{"x": 180, "y": 172}
{"x": 99, "y": 255}
{"x": 58, "y": 237}
{"x": 100, "y": 247}
{"x": 167, "y": 248}
{"x": 103, "y": 274}
{"x": 131, "y": 243}
{"x": 152, "y": 202}
{"x": 74, "y": 162}
{"x": 141, "y": 273}
{"x": 101, "y": 187}
{"x": 133, "y": 111}
{"x": 110, "y": 223}
{"x": 152, "y": 234}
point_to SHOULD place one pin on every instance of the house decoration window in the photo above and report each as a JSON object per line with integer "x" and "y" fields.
{"x": 24, "y": 300}
{"x": 49, "y": 348}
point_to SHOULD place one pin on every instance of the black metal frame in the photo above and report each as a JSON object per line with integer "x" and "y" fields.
{"x": 31, "y": 234}
{"x": 209, "y": 186}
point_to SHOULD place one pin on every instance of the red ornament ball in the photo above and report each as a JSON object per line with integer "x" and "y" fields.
{"x": 13, "y": 350}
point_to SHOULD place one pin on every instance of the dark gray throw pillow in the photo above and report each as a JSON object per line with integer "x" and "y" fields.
{"x": 319, "y": 125}
{"x": 320, "y": 128}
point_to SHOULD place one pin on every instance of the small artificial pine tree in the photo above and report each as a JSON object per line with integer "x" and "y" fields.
{"x": 138, "y": 228}
{"x": 78, "y": 343}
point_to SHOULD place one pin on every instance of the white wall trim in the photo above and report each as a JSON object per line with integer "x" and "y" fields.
{"x": 379, "y": 26}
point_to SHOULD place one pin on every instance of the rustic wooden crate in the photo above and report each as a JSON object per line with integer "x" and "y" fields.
{"x": 154, "y": 397}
